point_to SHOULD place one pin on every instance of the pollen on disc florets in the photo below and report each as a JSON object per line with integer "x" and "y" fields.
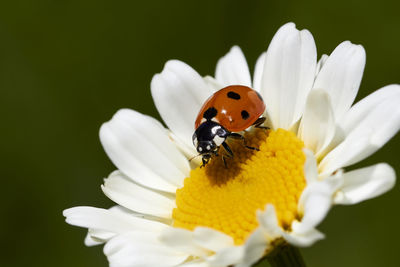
{"x": 227, "y": 198}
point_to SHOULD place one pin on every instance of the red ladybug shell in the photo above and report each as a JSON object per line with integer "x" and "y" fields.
{"x": 234, "y": 107}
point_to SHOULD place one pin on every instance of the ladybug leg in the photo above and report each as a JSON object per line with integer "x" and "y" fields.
{"x": 227, "y": 149}
{"x": 236, "y": 136}
{"x": 241, "y": 137}
{"x": 223, "y": 159}
{"x": 204, "y": 163}
{"x": 229, "y": 155}
{"x": 258, "y": 122}
{"x": 252, "y": 148}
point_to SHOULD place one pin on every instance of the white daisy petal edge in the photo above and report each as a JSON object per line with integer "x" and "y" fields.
{"x": 233, "y": 69}
{"x": 340, "y": 76}
{"x": 212, "y": 246}
{"x": 182, "y": 240}
{"x": 258, "y": 72}
{"x": 269, "y": 223}
{"x": 126, "y": 193}
{"x": 97, "y": 236}
{"x": 288, "y": 75}
{"x": 320, "y": 63}
{"x": 242, "y": 256}
{"x": 316, "y": 199}
{"x": 253, "y": 249}
{"x": 317, "y": 127}
{"x": 366, "y": 136}
{"x": 365, "y": 183}
{"x": 179, "y": 92}
{"x": 90, "y": 241}
{"x": 209, "y": 238}
{"x": 141, "y": 149}
{"x": 109, "y": 222}
{"x": 365, "y": 106}
{"x": 315, "y": 203}
{"x": 141, "y": 249}
{"x": 195, "y": 263}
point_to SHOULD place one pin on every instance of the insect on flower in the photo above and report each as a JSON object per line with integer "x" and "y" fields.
{"x": 227, "y": 112}
{"x": 171, "y": 213}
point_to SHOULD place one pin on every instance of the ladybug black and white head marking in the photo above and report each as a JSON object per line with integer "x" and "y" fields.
{"x": 208, "y": 137}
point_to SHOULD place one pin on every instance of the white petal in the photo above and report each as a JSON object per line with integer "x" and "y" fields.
{"x": 140, "y": 148}
{"x": 90, "y": 241}
{"x": 315, "y": 202}
{"x": 232, "y": 69}
{"x": 310, "y": 167}
{"x": 213, "y": 83}
{"x": 317, "y": 127}
{"x": 211, "y": 239}
{"x": 109, "y": 220}
{"x": 341, "y": 76}
{"x": 269, "y": 223}
{"x": 182, "y": 240}
{"x": 362, "y": 108}
{"x": 258, "y": 72}
{"x": 195, "y": 263}
{"x": 141, "y": 249}
{"x": 365, "y": 183}
{"x": 303, "y": 239}
{"x": 227, "y": 257}
{"x": 370, "y": 134}
{"x": 337, "y": 139}
{"x": 320, "y": 63}
{"x": 254, "y": 248}
{"x": 123, "y": 191}
{"x": 192, "y": 155}
{"x": 97, "y": 237}
{"x": 178, "y": 93}
{"x": 288, "y": 75}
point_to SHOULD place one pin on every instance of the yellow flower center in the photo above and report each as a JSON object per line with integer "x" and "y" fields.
{"x": 227, "y": 198}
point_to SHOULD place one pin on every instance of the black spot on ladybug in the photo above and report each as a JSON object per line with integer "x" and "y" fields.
{"x": 210, "y": 113}
{"x": 259, "y": 96}
{"x": 245, "y": 114}
{"x": 233, "y": 95}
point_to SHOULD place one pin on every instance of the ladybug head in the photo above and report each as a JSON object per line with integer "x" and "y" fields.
{"x": 208, "y": 137}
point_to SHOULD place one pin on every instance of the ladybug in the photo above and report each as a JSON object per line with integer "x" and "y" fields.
{"x": 230, "y": 110}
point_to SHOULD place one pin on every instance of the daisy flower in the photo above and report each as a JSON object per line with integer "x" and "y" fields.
{"x": 170, "y": 212}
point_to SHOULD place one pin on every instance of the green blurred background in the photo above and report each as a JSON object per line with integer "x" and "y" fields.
{"x": 67, "y": 66}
